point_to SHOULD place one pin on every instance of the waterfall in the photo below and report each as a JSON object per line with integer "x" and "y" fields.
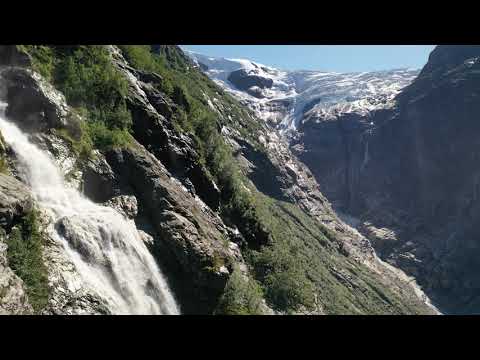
{"x": 105, "y": 248}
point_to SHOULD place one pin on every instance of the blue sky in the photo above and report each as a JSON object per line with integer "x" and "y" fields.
{"x": 341, "y": 58}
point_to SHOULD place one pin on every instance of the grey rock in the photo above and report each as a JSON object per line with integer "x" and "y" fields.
{"x": 191, "y": 237}
{"x": 15, "y": 200}
{"x": 124, "y": 204}
{"x": 245, "y": 81}
{"x": 32, "y": 102}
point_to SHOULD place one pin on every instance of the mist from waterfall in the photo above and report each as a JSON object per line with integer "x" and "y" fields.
{"x": 105, "y": 247}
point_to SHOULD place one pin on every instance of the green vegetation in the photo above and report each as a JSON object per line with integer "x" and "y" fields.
{"x": 294, "y": 258}
{"x": 43, "y": 59}
{"x": 3, "y": 164}
{"x": 303, "y": 268}
{"x": 3, "y": 160}
{"x": 92, "y": 85}
{"x": 25, "y": 244}
{"x": 242, "y": 296}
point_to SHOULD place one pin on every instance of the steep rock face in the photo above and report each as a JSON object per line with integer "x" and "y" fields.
{"x": 190, "y": 237}
{"x": 274, "y": 170}
{"x": 33, "y": 102}
{"x": 409, "y": 174}
{"x": 151, "y": 112}
{"x": 15, "y": 200}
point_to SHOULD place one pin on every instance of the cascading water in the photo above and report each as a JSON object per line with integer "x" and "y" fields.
{"x": 105, "y": 248}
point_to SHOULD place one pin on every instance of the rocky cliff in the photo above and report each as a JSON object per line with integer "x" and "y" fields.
{"x": 237, "y": 223}
{"x": 408, "y": 175}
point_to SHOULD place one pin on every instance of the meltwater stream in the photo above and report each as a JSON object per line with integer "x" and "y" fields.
{"x": 105, "y": 248}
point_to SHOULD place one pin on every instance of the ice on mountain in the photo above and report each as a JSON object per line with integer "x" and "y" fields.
{"x": 287, "y": 101}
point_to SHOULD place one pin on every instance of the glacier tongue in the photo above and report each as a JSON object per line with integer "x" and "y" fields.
{"x": 295, "y": 95}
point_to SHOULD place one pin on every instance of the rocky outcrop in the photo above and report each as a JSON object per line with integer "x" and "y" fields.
{"x": 251, "y": 83}
{"x": 15, "y": 200}
{"x": 98, "y": 181}
{"x": 32, "y": 102}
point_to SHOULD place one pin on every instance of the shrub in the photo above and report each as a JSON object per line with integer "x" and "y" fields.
{"x": 281, "y": 271}
{"x": 241, "y": 296}
{"x": 105, "y": 138}
{"x": 24, "y": 254}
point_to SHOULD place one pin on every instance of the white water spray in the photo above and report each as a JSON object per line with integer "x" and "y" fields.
{"x": 105, "y": 248}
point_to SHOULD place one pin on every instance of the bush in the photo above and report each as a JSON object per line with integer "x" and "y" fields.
{"x": 105, "y": 138}
{"x": 24, "y": 254}
{"x": 88, "y": 78}
{"x": 280, "y": 269}
{"x": 240, "y": 297}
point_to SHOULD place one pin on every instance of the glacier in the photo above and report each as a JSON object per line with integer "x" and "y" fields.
{"x": 299, "y": 95}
